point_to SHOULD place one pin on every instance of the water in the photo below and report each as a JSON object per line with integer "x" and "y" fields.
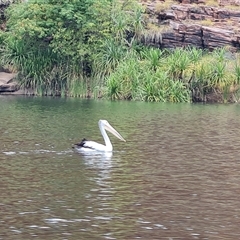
{"x": 176, "y": 177}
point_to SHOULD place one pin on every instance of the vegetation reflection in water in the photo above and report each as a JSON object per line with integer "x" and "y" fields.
{"x": 175, "y": 177}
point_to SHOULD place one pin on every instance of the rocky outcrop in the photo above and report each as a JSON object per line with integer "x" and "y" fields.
{"x": 195, "y": 25}
{"x": 7, "y": 83}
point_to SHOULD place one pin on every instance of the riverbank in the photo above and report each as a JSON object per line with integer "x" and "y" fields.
{"x": 153, "y": 75}
{"x": 165, "y": 61}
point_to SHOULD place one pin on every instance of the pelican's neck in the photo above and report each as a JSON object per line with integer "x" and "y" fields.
{"x": 105, "y": 137}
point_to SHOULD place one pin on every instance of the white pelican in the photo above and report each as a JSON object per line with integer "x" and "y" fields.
{"x": 91, "y": 145}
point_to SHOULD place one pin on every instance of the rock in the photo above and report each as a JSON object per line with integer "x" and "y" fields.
{"x": 215, "y": 37}
{"x": 181, "y": 12}
{"x": 7, "y": 77}
{"x": 173, "y": 36}
{"x": 178, "y": 27}
{"x": 194, "y": 29}
{"x": 186, "y": 26}
{"x": 169, "y": 14}
{"x": 7, "y": 83}
{"x": 193, "y": 40}
{"x": 227, "y": 2}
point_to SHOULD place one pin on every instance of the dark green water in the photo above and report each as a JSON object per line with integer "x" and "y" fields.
{"x": 176, "y": 177}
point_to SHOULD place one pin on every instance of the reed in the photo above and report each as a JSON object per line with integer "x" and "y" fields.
{"x": 43, "y": 70}
{"x": 235, "y": 87}
{"x": 153, "y": 56}
{"x": 77, "y": 87}
{"x": 199, "y": 83}
{"x": 237, "y": 71}
{"x": 108, "y": 58}
{"x": 123, "y": 83}
{"x": 150, "y": 90}
{"x": 135, "y": 80}
{"x": 114, "y": 91}
{"x": 177, "y": 63}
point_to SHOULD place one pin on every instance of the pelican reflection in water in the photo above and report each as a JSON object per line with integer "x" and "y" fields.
{"x": 104, "y": 125}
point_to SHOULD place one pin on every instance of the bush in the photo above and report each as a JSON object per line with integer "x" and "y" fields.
{"x": 53, "y": 42}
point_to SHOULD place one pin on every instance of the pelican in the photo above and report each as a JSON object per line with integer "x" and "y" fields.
{"x": 91, "y": 145}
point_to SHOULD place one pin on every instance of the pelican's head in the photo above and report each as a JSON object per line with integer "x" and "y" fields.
{"x": 108, "y": 127}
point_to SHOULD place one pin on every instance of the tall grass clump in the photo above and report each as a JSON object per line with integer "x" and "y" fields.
{"x": 177, "y": 62}
{"x": 126, "y": 26}
{"x": 161, "y": 88}
{"x": 153, "y": 56}
{"x": 40, "y": 68}
{"x": 140, "y": 78}
{"x": 199, "y": 82}
{"x": 213, "y": 75}
{"x": 182, "y": 75}
{"x": 221, "y": 78}
{"x": 123, "y": 83}
{"x": 108, "y": 58}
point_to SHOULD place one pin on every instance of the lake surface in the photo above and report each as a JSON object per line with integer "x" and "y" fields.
{"x": 176, "y": 177}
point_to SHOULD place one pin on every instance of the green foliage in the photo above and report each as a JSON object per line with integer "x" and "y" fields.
{"x": 124, "y": 26}
{"x": 86, "y": 48}
{"x": 178, "y": 62}
{"x": 160, "y": 88}
{"x": 67, "y": 25}
{"x": 77, "y": 87}
{"x": 199, "y": 82}
{"x": 108, "y": 58}
{"x": 213, "y": 73}
{"x": 237, "y": 72}
{"x": 235, "y": 86}
{"x": 114, "y": 90}
{"x": 173, "y": 76}
{"x": 123, "y": 83}
{"x": 133, "y": 79}
{"x": 219, "y": 77}
{"x": 153, "y": 55}
{"x": 49, "y": 42}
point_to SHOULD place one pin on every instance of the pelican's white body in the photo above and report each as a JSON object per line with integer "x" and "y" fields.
{"x": 94, "y": 146}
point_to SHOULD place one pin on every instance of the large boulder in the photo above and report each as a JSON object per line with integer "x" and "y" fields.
{"x": 7, "y": 82}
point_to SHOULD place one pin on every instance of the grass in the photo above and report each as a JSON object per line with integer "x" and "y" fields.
{"x": 212, "y": 3}
{"x": 143, "y": 78}
{"x": 41, "y": 69}
{"x": 232, "y": 7}
{"x": 182, "y": 75}
{"x": 207, "y": 22}
{"x": 161, "y": 6}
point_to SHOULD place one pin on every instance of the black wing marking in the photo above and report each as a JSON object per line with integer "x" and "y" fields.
{"x": 82, "y": 144}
